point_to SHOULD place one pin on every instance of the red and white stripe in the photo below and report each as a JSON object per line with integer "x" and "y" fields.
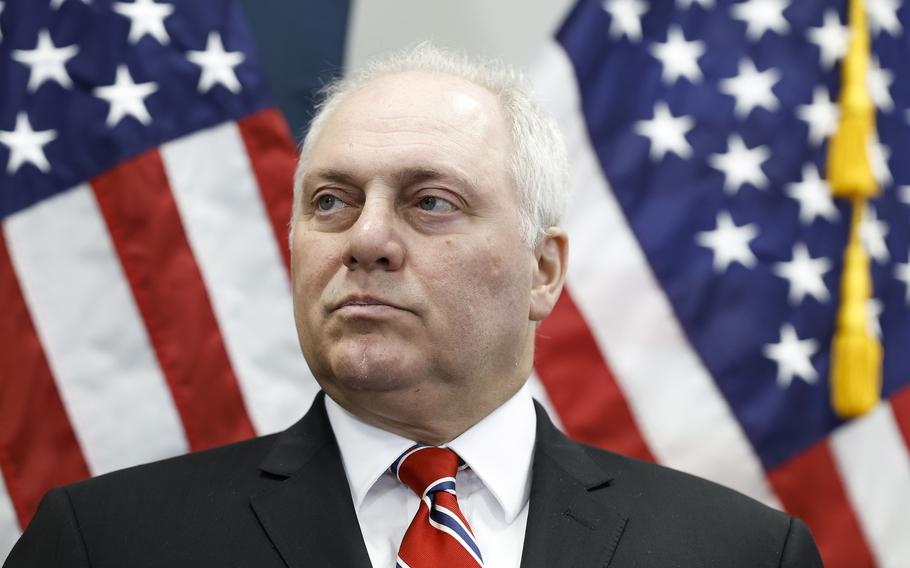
{"x": 8, "y": 522}
{"x": 652, "y": 397}
{"x": 872, "y": 458}
{"x": 228, "y": 228}
{"x": 148, "y": 313}
{"x": 92, "y": 333}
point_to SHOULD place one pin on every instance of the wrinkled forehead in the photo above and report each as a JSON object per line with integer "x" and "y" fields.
{"x": 444, "y": 96}
{"x": 436, "y": 117}
{"x": 417, "y": 101}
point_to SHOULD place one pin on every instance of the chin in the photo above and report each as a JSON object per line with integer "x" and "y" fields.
{"x": 372, "y": 367}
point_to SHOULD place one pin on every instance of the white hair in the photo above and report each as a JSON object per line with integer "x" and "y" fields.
{"x": 539, "y": 164}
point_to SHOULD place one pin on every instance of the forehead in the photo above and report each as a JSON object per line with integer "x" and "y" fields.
{"x": 434, "y": 119}
{"x": 449, "y": 100}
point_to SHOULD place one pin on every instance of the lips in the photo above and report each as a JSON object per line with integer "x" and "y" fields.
{"x": 356, "y": 300}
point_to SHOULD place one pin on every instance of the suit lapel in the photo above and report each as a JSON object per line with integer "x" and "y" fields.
{"x": 572, "y": 520}
{"x": 308, "y": 513}
{"x": 309, "y": 516}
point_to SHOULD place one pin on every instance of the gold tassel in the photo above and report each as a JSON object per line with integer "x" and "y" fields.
{"x": 856, "y": 355}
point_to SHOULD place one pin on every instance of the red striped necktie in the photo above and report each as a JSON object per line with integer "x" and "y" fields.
{"x": 439, "y": 535}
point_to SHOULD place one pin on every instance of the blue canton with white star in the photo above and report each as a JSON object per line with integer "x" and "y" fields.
{"x": 710, "y": 119}
{"x": 86, "y": 84}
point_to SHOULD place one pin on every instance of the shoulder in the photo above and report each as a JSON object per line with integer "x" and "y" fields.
{"x": 156, "y": 510}
{"x": 241, "y": 467}
{"x": 225, "y": 465}
{"x": 670, "y": 510}
{"x": 637, "y": 485}
{"x": 646, "y": 481}
{"x": 652, "y": 515}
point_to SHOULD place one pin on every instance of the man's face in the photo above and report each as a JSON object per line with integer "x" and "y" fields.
{"x": 409, "y": 271}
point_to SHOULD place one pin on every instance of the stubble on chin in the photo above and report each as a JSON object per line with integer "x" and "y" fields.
{"x": 365, "y": 364}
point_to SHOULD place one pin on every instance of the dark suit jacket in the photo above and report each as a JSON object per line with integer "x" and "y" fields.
{"x": 283, "y": 501}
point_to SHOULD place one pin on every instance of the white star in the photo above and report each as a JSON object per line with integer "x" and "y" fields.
{"x": 126, "y": 98}
{"x": 883, "y": 16}
{"x": 814, "y": 196}
{"x": 751, "y": 88}
{"x": 879, "y": 81}
{"x": 729, "y": 242}
{"x": 741, "y": 165}
{"x": 832, "y": 39}
{"x": 905, "y": 194}
{"x": 879, "y": 154}
{"x": 26, "y": 145}
{"x": 761, "y": 16}
{"x": 684, "y": 4}
{"x": 679, "y": 57}
{"x": 217, "y": 65}
{"x": 625, "y": 16}
{"x": 46, "y": 62}
{"x": 804, "y": 274}
{"x": 902, "y": 273}
{"x": 793, "y": 357}
{"x": 666, "y": 132}
{"x": 872, "y": 232}
{"x": 874, "y": 309}
{"x": 146, "y": 18}
{"x": 821, "y": 115}
{"x": 57, "y": 3}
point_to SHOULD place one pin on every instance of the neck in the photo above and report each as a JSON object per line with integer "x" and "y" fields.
{"x": 416, "y": 416}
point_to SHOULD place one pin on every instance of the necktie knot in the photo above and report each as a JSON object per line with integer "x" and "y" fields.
{"x": 439, "y": 535}
{"x": 427, "y": 469}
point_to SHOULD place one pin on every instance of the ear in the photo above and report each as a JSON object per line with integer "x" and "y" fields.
{"x": 552, "y": 261}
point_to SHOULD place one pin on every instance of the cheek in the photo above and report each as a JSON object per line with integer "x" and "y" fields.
{"x": 485, "y": 284}
{"x": 314, "y": 260}
{"x": 504, "y": 267}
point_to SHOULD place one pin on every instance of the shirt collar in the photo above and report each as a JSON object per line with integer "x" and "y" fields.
{"x": 499, "y": 449}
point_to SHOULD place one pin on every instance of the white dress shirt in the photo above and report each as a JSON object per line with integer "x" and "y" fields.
{"x": 492, "y": 493}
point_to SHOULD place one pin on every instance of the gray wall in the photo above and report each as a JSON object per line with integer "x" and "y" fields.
{"x": 513, "y": 30}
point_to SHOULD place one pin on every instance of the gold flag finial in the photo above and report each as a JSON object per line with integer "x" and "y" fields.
{"x": 856, "y": 355}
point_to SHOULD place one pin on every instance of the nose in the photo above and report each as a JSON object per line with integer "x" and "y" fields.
{"x": 374, "y": 241}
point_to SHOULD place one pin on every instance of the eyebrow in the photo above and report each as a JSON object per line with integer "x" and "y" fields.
{"x": 405, "y": 177}
{"x": 419, "y": 174}
{"x": 331, "y": 174}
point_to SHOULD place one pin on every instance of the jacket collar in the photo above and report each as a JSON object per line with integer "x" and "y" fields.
{"x": 572, "y": 519}
{"x": 308, "y": 513}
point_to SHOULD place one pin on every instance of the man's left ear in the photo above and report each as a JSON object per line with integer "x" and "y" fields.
{"x": 552, "y": 260}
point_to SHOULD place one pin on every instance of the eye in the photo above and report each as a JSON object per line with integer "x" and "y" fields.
{"x": 435, "y": 204}
{"x": 327, "y": 202}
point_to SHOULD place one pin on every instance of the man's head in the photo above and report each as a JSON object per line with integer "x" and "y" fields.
{"x": 424, "y": 246}
{"x": 538, "y": 162}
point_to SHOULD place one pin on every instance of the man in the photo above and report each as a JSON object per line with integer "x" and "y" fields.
{"x": 425, "y": 250}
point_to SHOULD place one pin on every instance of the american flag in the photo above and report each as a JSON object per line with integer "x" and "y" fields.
{"x": 706, "y": 254}
{"x": 144, "y": 179}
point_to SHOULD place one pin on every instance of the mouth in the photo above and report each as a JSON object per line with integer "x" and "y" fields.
{"x": 365, "y": 304}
